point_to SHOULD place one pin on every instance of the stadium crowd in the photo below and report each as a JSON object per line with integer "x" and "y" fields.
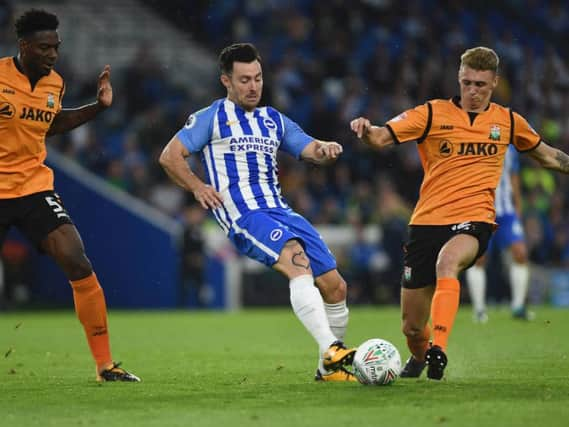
{"x": 326, "y": 66}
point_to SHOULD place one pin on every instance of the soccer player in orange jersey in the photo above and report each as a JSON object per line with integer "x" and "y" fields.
{"x": 462, "y": 143}
{"x": 31, "y": 92}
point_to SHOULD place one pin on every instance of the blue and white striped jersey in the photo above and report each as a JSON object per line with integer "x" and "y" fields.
{"x": 504, "y": 202}
{"x": 238, "y": 149}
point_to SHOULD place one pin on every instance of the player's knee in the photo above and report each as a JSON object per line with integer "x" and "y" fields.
{"x": 411, "y": 330}
{"x": 447, "y": 266}
{"x": 333, "y": 289}
{"x": 519, "y": 255}
{"x": 76, "y": 265}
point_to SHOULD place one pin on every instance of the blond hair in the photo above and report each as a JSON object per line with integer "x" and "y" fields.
{"x": 480, "y": 58}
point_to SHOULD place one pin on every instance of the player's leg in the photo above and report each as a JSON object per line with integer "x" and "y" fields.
{"x": 476, "y": 281}
{"x": 417, "y": 287}
{"x": 415, "y": 312}
{"x": 271, "y": 238}
{"x": 48, "y": 225}
{"x": 519, "y": 280}
{"x": 308, "y": 306}
{"x": 65, "y": 246}
{"x": 456, "y": 255}
{"x": 333, "y": 289}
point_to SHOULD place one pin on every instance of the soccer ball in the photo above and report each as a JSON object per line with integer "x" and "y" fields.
{"x": 377, "y": 362}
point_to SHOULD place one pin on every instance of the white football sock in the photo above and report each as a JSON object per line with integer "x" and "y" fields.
{"x": 338, "y": 315}
{"x": 519, "y": 283}
{"x": 476, "y": 278}
{"x": 308, "y": 306}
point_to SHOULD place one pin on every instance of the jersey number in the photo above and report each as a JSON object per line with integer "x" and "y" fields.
{"x": 56, "y": 206}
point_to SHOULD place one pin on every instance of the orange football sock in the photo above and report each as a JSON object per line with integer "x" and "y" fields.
{"x": 92, "y": 313}
{"x": 419, "y": 344}
{"x": 443, "y": 309}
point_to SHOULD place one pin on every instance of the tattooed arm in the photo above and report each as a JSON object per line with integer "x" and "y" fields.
{"x": 551, "y": 158}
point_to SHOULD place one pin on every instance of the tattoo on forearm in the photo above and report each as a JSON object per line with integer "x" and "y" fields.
{"x": 300, "y": 260}
{"x": 563, "y": 160}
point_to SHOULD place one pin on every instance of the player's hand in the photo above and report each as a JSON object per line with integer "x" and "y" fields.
{"x": 104, "y": 88}
{"x": 361, "y": 126}
{"x": 329, "y": 150}
{"x": 208, "y": 197}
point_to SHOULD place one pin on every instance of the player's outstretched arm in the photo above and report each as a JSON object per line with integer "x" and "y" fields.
{"x": 322, "y": 152}
{"x": 551, "y": 158}
{"x": 374, "y": 136}
{"x": 174, "y": 160}
{"x": 68, "y": 119}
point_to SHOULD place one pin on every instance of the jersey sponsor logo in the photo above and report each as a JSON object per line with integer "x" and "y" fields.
{"x": 7, "y": 110}
{"x": 276, "y": 234}
{"x": 477, "y": 149}
{"x": 253, "y": 143}
{"x": 37, "y": 115}
{"x": 447, "y": 127}
{"x": 190, "y": 123}
{"x": 494, "y": 133}
{"x": 445, "y": 148}
{"x": 9, "y": 91}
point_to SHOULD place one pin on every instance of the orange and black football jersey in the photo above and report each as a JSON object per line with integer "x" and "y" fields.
{"x": 462, "y": 159}
{"x": 26, "y": 114}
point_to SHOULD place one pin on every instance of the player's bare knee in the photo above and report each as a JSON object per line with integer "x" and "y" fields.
{"x": 447, "y": 266}
{"x": 76, "y": 266}
{"x": 410, "y": 330}
{"x": 333, "y": 290}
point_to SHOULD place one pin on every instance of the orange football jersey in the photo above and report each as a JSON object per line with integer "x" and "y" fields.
{"x": 26, "y": 114}
{"x": 462, "y": 160}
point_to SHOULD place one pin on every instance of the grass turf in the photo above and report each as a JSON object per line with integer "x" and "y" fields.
{"x": 255, "y": 368}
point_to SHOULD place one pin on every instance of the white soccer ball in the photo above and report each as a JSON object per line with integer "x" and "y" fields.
{"x": 377, "y": 362}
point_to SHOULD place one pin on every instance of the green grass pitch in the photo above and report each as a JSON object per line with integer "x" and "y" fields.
{"x": 255, "y": 368}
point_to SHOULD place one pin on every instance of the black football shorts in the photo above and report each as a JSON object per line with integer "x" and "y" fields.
{"x": 35, "y": 215}
{"x": 425, "y": 243}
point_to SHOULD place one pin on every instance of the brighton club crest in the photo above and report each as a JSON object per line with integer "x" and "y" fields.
{"x": 494, "y": 133}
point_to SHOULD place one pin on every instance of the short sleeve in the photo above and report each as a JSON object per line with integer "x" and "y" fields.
{"x": 196, "y": 133}
{"x": 411, "y": 125}
{"x": 294, "y": 138}
{"x": 525, "y": 137}
{"x": 61, "y": 95}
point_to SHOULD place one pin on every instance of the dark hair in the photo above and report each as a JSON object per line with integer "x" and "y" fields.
{"x": 35, "y": 20}
{"x": 238, "y": 52}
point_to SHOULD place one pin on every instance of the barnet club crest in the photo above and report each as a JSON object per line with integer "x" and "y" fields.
{"x": 494, "y": 133}
{"x": 50, "y": 101}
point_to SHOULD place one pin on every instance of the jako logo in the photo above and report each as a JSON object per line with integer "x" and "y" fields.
{"x": 36, "y": 115}
{"x": 477, "y": 149}
{"x": 445, "y": 148}
{"x": 7, "y": 110}
{"x": 276, "y": 234}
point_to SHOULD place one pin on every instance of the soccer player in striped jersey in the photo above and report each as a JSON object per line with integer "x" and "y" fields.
{"x": 508, "y": 236}
{"x": 237, "y": 142}
{"x": 462, "y": 143}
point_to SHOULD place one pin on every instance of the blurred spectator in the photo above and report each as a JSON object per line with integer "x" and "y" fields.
{"x": 193, "y": 259}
